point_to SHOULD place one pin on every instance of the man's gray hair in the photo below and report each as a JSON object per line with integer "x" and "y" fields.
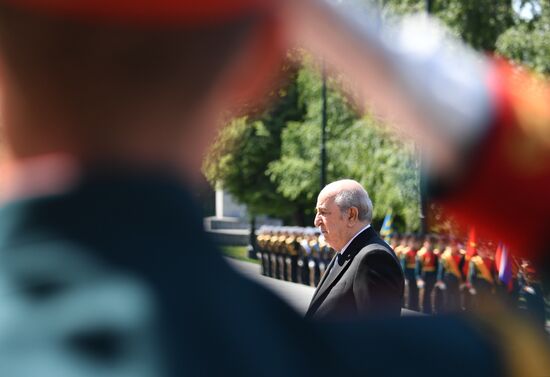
{"x": 358, "y": 198}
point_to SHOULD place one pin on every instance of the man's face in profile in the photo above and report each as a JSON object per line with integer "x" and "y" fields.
{"x": 331, "y": 222}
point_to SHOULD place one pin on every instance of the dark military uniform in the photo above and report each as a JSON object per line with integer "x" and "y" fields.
{"x": 438, "y": 293}
{"x": 304, "y": 257}
{"x": 281, "y": 256}
{"x": 292, "y": 245}
{"x": 531, "y": 296}
{"x": 427, "y": 262}
{"x": 481, "y": 278}
{"x": 263, "y": 249}
{"x": 324, "y": 257}
{"x": 270, "y": 253}
{"x": 450, "y": 273}
{"x": 401, "y": 247}
{"x": 408, "y": 263}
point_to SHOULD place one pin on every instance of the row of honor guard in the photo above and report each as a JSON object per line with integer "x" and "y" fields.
{"x": 295, "y": 254}
{"x": 440, "y": 276}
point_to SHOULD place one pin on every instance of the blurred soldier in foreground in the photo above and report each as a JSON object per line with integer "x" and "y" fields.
{"x": 107, "y": 107}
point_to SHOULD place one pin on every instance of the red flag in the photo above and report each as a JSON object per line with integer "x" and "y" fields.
{"x": 471, "y": 250}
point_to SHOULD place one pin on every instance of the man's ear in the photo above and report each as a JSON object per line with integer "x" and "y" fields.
{"x": 353, "y": 215}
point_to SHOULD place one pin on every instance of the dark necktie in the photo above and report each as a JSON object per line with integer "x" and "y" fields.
{"x": 336, "y": 265}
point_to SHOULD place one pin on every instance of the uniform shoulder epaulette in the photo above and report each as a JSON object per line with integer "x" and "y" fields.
{"x": 476, "y": 259}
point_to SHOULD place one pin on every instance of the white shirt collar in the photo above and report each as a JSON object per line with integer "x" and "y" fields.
{"x": 352, "y": 238}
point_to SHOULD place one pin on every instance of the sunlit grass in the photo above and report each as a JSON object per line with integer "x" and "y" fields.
{"x": 238, "y": 252}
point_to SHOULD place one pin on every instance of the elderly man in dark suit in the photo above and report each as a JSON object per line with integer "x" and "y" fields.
{"x": 364, "y": 277}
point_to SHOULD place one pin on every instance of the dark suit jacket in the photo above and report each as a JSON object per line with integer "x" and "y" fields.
{"x": 117, "y": 278}
{"x": 366, "y": 279}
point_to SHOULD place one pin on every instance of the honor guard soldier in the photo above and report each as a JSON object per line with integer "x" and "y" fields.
{"x": 402, "y": 245}
{"x": 426, "y": 271}
{"x": 408, "y": 263}
{"x": 304, "y": 256}
{"x": 449, "y": 275}
{"x": 282, "y": 253}
{"x": 482, "y": 273}
{"x": 515, "y": 289}
{"x": 314, "y": 260}
{"x": 324, "y": 257}
{"x": 285, "y": 255}
{"x": 439, "y": 244}
{"x": 439, "y": 297}
{"x": 291, "y": 258}
{"x": 395, "y": 240}
{"x": 531, "y": 296}
{"x": 262, "y": 242}
{"x": 274, "y": 252}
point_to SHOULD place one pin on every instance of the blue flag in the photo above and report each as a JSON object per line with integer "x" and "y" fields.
{"x": 386, "y": 229}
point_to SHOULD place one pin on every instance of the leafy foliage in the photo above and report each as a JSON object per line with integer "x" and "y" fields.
{"x": 271, "y": 161}
{"x": 239, "y": 158}
{"x": 528, "y": 42}
{"x": 357, "y": 148}
{"x": 478, "y": 22}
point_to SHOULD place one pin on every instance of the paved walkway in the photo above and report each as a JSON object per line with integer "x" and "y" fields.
{"x": 297, "y": 295}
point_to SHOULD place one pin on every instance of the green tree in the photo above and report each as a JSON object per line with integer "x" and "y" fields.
{"x": 385, "y": 166}
{"x": 528, "y": 41}
{"x": 297, "y": 172}
{"x": 357, "y": 148}
{"x": 239, "y": 158}
{"x": 478, "y": 22}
